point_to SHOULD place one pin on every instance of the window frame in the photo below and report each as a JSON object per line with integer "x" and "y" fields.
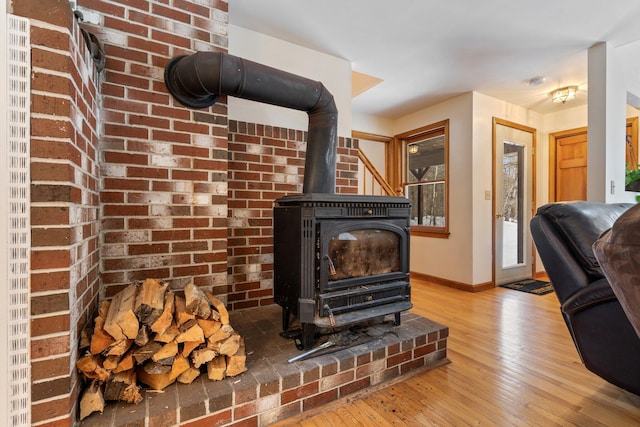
{"x": 402, "y": 142}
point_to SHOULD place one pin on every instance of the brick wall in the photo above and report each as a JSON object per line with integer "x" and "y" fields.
{"x": 144, "y": 176}
{"x": 64, "y": 205}
{"x": 266, "y": 163}
{"x": 128, "y": 184}
{"x": 163, "y": 189}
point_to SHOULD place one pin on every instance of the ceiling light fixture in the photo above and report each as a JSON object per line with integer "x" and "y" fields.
{"x": 413, "y": 149}
{"x": 564, "y": 94}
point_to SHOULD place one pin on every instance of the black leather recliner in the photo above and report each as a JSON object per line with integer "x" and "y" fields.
{"x": 605, "y": 339}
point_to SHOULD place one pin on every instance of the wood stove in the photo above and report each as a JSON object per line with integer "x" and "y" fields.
{"x": 340, "y": 260}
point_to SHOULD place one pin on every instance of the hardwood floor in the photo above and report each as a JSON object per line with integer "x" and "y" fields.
{"x": 512, "y": 364}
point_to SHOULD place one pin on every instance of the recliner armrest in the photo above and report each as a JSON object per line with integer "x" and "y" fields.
{"x": 595, "y": 293}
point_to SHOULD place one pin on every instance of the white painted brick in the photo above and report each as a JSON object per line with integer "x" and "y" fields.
{"x": 218, "y": 28}
{"x": 245, "y": 213}
{"x": 166, "y": 161}
{"x": 137, "y": 236}
{"x": 267, "y": 403}
{"x": 220, "y": 188}
{"x": 202, "y": 199}
{"x": 201, "y": 46}
{"x": 113, "y": 171}
{"x": 183, "y": 186}
{"x": 157, "y": 198}
{"x": 203, "y": 140}
{"x": 266, "y": 284}
{"x": 254, "y": 277}
{"x": 218, "y": 211}
{"x": 113, "y": 250}
{"x": 235, "y": 222}
{"x": 160, "y": 210}
{"x": 220, "y": 16}
{"x": 114, "y": 37}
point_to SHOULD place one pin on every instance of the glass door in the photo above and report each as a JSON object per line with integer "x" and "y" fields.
{"x": 513, "y": 203}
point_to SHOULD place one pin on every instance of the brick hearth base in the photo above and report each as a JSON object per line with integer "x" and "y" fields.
{"x": 273, "y": 389}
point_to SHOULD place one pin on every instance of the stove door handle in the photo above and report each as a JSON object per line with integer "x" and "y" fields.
{"x": 332, "y": 268}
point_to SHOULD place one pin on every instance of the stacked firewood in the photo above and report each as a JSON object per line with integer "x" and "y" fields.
{"x": 152, "y": 336}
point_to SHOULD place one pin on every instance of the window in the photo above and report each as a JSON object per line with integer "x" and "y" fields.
{"x": 425, "y": 161}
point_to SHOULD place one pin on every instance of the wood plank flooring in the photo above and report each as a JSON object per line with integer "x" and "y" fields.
{"x": 512, "y": 364}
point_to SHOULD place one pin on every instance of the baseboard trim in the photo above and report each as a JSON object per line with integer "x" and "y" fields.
{"x": 451, "y": 283}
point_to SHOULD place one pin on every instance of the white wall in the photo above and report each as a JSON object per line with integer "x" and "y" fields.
{"x": 630, "y": 54}
{"x": 569, "y": 118}
{"x": 450, "y": 258}
{"x": 376, "y": 153}
{"x": 334, "y": 73}
{"x": 372, "y": 124}
{"x": 607, "y": 115}
{"x": 485, "y": 108}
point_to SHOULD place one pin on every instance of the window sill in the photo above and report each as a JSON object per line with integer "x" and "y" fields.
{"x": 427, "y": 232}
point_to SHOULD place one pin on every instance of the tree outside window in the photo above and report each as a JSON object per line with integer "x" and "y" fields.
{"x": 426, "y": 178}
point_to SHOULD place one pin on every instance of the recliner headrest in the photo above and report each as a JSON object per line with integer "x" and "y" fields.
{"x": 580, "y": 224}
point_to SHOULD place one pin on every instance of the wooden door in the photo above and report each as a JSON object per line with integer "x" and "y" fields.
{"x": 569, "y": 165}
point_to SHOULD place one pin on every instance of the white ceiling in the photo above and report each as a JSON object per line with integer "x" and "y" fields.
{"x": 427, "y": 51}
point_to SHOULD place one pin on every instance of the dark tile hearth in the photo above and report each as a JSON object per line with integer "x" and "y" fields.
{"x": 273, "y": 389}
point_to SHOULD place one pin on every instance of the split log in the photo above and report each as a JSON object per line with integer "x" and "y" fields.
{"x": 92, "y": 400}
{"x": 228, "y": 347}
{"x": 123, "y": 386}
{"x": 201, "y": 356}
{"x": 180, "y": 365}
{"x": 155, "y": 381}
{"x": 156, "y": 368}
{"x": 196, "y": 301}
{"x": 169, "y": 335}
{"x": 125, "y": 363}
{"x": 187, "y": 325}
{"x": 132, "y": 394}
{"x": 166, "y": 318}
{"x": 150, "y": 301}
{"x": 100, "y": 340}
{"x": 189, "y": 346}
{"x": 219, "y": 306}
{"x": 237, "y": 363}
{"x": 216, "y": 368}
{"x": 119, "y": 348}
{"x": 209, "y": 327}
{"x": 144, "y": 353}
{"x": 110, "y": 363}
{"x": 188, "y": 376}
{"x": 91, "y": 367}
{"x": 85, "y": 337}
{"x": 121, "y": 322}
{"x": 143, "y": 336}
{"x": 194, "y": 333}
{"x": 221, "y": 334}
{"x": 181, "y": 314}
{"x": 167, "y": 351}
{"x": 103, "y": 310}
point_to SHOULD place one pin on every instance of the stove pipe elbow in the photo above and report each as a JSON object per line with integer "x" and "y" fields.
{"x": 197, "y": 81}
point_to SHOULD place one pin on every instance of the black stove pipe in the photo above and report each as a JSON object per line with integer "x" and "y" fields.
{"x": 197, "y": 80}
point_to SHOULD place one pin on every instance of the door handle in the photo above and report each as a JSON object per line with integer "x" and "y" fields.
{"x": 499, "y": 215}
